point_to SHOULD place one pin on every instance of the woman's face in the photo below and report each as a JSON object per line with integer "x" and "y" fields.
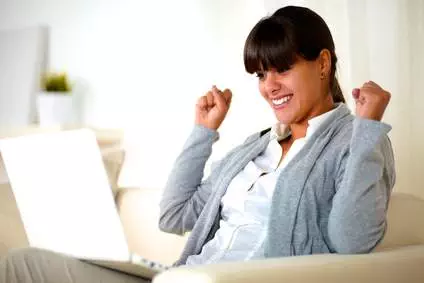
{"x": 295, "y": 95}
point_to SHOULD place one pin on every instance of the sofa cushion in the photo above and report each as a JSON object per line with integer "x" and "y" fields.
{"x": 405, "y": 222}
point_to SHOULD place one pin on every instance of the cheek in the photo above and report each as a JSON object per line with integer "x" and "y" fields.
{"x": 261, "y": 88}
{"x": 295, "y": 84}
{"x": 314, "y": 79}
{"x": 306, "y": 85}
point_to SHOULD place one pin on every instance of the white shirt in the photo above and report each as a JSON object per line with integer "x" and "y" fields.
{"x": 246, "y": 203}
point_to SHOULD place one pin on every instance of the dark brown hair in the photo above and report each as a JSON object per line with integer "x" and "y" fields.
{"x": 291, "y": 32}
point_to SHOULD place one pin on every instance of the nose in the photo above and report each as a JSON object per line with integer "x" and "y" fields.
{"x": 271, "y": 83}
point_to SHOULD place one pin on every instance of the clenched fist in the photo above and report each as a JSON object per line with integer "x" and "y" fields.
{"x": 212, "y": 108}
{"x": 371, "y": 101}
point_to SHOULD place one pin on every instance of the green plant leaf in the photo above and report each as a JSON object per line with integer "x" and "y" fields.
{"x": 56, "y": 82}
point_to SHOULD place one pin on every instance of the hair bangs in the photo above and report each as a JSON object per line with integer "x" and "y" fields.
{"x": 269, "y": 45}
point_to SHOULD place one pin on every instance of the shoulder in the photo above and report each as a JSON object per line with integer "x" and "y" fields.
{"x": 358, "y": 132}
{"x": 257, "y": 136}
{"x": 335, "y": 138}
{"x": 252, "y": 140}
{"x": 355, "y": 136}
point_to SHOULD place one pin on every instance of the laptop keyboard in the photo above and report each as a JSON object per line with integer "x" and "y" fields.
{"x": 139, "y": 260}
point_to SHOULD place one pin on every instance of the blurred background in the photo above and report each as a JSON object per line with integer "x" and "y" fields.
{"x": 139, "y": 66}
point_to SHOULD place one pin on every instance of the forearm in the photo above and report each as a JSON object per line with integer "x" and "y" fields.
{"x": 357, "y": 220}
{"x": 185, "y": 194}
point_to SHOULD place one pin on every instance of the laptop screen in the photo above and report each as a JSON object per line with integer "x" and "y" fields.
{"x": 63, "y": 195}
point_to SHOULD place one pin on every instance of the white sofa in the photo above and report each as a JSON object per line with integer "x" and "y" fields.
{"x": 398, "y": 258}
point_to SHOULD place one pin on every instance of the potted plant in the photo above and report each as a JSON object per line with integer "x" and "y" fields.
{"x": 55, "y": 101}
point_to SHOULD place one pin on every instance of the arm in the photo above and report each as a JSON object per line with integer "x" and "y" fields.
{"x": 366, "y": 176}
{"x": 185, "y": 194}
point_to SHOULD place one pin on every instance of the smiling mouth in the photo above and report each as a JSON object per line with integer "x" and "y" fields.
{"x": 282, "y": 101}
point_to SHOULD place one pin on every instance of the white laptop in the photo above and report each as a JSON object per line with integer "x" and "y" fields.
{"x": 65, "y": 201}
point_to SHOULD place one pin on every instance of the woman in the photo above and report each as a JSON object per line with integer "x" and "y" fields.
{"x": 318, "y": 181}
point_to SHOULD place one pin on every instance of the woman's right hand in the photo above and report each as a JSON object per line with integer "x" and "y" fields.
{"x": 212, "y": 108}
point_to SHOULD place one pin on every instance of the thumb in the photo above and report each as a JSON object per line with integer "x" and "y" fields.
{"x": 219, "y": 99}
{"x": 227, "y": 95}
{"x": 355, "y": 93}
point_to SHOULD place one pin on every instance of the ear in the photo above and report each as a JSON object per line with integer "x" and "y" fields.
{"x": 324, "y": 60}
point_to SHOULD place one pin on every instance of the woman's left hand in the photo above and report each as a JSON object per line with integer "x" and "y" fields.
{"x": 371, "y": 101}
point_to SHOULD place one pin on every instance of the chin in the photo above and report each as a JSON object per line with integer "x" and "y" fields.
{"x": 285, "y": 118}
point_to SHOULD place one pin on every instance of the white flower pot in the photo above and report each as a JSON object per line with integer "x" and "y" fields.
{"x": 55, "y": 109}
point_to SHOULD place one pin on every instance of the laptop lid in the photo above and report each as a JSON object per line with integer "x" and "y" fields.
{"x": 63, "y": 195}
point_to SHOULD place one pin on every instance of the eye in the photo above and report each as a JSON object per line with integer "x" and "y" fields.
{"x": 283, "y": 71}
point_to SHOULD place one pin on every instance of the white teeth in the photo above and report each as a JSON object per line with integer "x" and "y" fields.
{"x": 280, "y": 101}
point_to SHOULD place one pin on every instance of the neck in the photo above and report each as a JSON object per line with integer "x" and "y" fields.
{"x": 298, "y": 129}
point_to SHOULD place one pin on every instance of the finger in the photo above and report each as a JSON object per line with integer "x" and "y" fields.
{"x": 228, "y": 95}
{"x": 369, "y": 91}
{"x": 202, "y": 102}
{"x": 359, "y": 95}
{"x": 220, "y": 101}
{"x": 214, "y": 88}
{"x": 355, "y": 93}
{"x": 372, "y": 84}
{"x": 209, "y": 99}
{"x": 369, "y": 83}
{"x": 374, "y": 94}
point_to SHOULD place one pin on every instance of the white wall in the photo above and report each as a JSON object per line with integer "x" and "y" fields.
{"x": 142, "y": 65}
{"x": 386, "y": 36}
{"x": 22, "y": 60}
{"x": 413, "y": 15}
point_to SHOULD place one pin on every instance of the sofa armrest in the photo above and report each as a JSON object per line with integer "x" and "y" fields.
{"x": 401, "y": 265}
{"x": 139, "y": 212}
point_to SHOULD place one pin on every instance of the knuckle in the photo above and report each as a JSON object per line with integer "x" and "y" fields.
{"x": 385, "y": 95}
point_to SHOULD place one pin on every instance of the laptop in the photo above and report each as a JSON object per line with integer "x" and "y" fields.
{"x": 65, "y": 201}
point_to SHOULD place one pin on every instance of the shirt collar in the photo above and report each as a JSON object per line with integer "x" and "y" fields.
{"x": 317, "y": 121}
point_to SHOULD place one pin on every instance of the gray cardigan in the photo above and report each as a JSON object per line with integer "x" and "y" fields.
{"x": 331, "y": 198}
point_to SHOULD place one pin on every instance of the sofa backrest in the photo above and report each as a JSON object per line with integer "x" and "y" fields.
{"x": 405, "y": 222}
